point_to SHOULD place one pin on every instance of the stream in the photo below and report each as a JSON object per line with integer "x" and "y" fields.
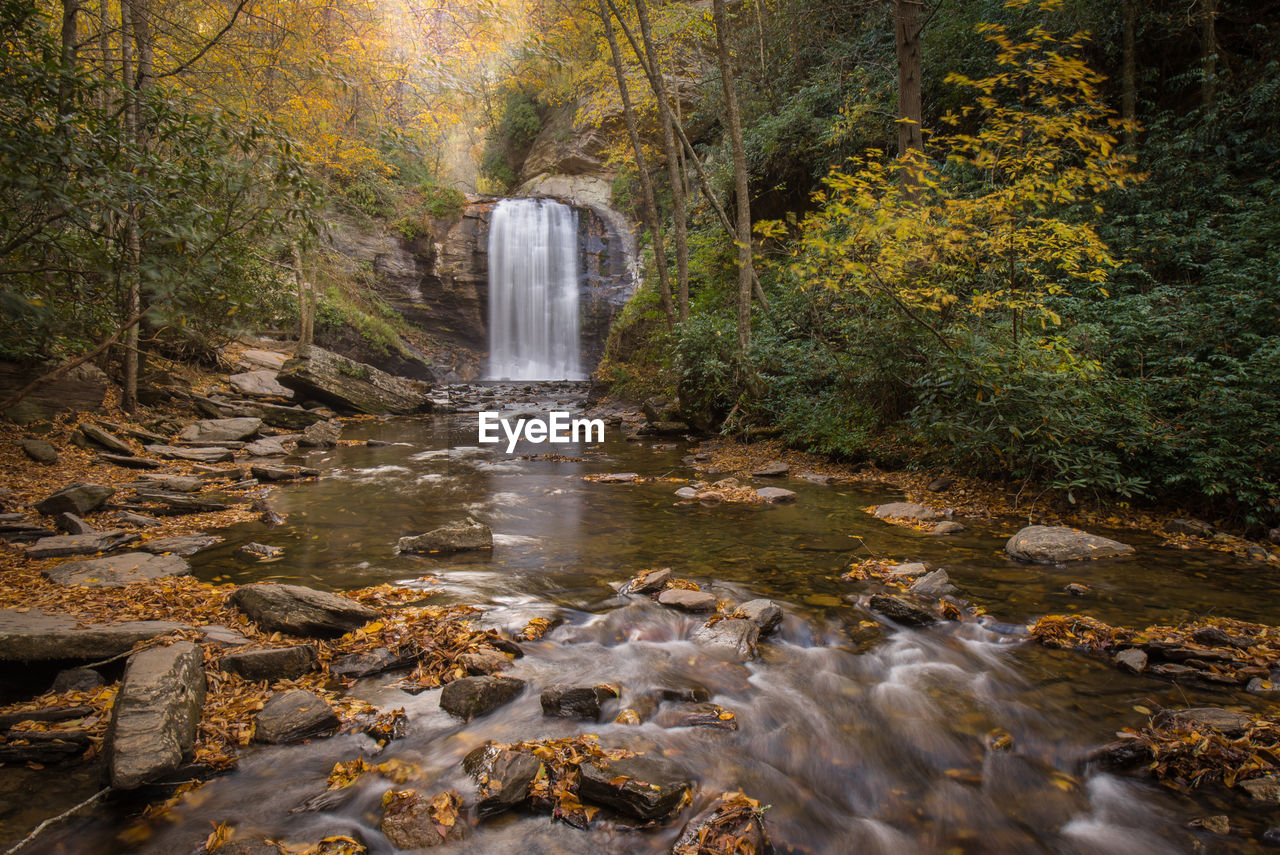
{"x": 861, "y": 737}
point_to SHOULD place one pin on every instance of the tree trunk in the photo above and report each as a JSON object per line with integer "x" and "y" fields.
{"x": 132, "y": 244}
{"x": 746, "y": 272}
{"x": 1128, "y": 73}
{"x": 1208, "y": 51}
{"x": 906, "y": 24}
{"x": 67, "y": 59}
{"x": 646, "y": 185}
{"x": 306, "y": 302}
{"x": 678, "y": 216}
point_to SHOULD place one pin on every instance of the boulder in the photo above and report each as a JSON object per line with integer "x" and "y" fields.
{"x": 1132, "y": 660}
{"x": 209, "y": 454}
{"x": 77, "y": 680}
{"x": 81, "y": 544}
{"x": 583, "y": 702}
{"x": 906, "y": 511}
{"x": 83, "y": 388}
{"x": 261, "y": 383}
{"x": 324, "y": 434}
{"x": 735, "y": 635}
{"x": 934, "y": 585}
{"x": 772, "y": 469}
{"x": 263, "y": 550}
{"x": 116, "y": 571}
{"x": 486, "y": 660}
{"x": 765, "y": 614}
{"x": 78, "y": 499}
{"x": 155, "y": 715}
{"x": 909, "y": 570}
{"x": 638, "y": 787}
{"x": 370, "y": 662}
{"x": 40, "y": 451}
{"x": 72, "y": 524}
{"x": 293, "y": 716}
{"x": 184, "y": 545}
{"x": 34, "y": 636}
{"x": 268, "y": 447}
{"x": 470, "y": 697}
{"x": 648, "y": 582}
{"x": 1265, "y": 789}
{"x": 732, "y": 824}
{"x": 317, "y": 373}
{"x": 902, "y": 611}
{"x": 272, "y": 663}
{"x": 288, "y": 418}
{"x": 281, "y": 473}
{"x": 689, "y": 601}
{"x": 947, "y": 527}
{"x": 410, "y": 820}
{"x": 220, "y": 430}
{"x": 776, "y": 495}
{"x": 104, "y": 439}
{"x": 457, "y": 536}
{"x": 504, "y": 777}
{"x": 697, "y": 715}
{"x": 940, "y": 485}
{"x": 1053, "y": 544}
{"x": 302, "y": 611}
{"x": 686, "y": 493}
{"x": 659, "y": 409}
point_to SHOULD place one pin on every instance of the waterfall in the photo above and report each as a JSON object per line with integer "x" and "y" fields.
{"x": 533, "y": 291}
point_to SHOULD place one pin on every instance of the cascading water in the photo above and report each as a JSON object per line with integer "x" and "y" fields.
{"x": 533, "y": 291}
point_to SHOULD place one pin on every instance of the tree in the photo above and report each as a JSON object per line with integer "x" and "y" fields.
{"x": 906, "y": 25}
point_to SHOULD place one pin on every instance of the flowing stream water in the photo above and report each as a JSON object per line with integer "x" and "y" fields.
{"x": 863, "y": 737}
{"x": 533, "y": 291}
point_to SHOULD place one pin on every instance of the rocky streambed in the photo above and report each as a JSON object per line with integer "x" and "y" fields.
{"x": 396, "y": 637}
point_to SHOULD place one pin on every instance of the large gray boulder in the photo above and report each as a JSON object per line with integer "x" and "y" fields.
{"x": 78, "y": 499}
{"x": 325, "y": 376}
{"x": 272, "y": 663}
{"x": 220, "y": 430}
{"x": 82, "y": 388}
{"x": 300, "y": 611}
{"x": 292, "y": 716}
{"x": 259, "y": 384}
{"x": 638, "y": 786}
{"x": 906, "y": 511}
{"x": 470, "y": 697}
{"x": 458, "y": 536}
{"x": 1054, "y": 544}
{"x": 737, "y": 636}
{"x": 154, "y": 720}
{"x": 209, "y": 454}
{"x": 34, "y": 636}
{"x": 116, "y": 571}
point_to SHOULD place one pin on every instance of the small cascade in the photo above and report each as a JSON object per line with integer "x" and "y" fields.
{"x": 533, "y": 291}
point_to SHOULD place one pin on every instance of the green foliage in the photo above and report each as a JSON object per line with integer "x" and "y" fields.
{"x": 509, "y": 138}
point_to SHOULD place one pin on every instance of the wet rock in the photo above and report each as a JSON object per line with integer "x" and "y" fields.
{"x": 697, "y": 715}
{"x": 906, "y": 511}
{"x": 617, "y": 478}
{"x": 1132, "y": 660}
{"x": 273, "y": 663}
{"x": 72, "y": 524}
{"x": 458, "y": 536}
{"x": 1075, "y": 589}
{"x": 281, "y": 473}
{"x": 77, "y": 680}
{"x": 765, "y": 614}
{"x": 288, "y": 418}
{"x": 638, "y": 787}
{"x": 257, "y": 846}
{"x": 687, "y": 493}
{"x": 209, "y": 454}
{"x": 293, "y": 716}
{"x": 689, "y": 601}
{"x": 220, "y": 430}
{"x": 1054, "y": 544}
{"x": 44, "y": 747}
{"x": 262, "y": 550}
{"x": 78, "y": 499}
{"x": 947, "y": 527}
{"x": 367, "y": 663}
{"x": 902, "y": 611}
{"x": 470, "y": 697}
{"x": 80, "y": 544}
{"x": 1030, "y": 791}
{"x": 649, "y": 582}
{"x": 907, "y": 571}
{"x": 772, "y": 469}
{"x": 155, "y": 715}
{"x": 116, "y": 571}
{"x": 267, "y": 447}
{"x": 1271, "y": 837}
{"x": 321, "y": 434}
{"x": 486, "y": 660}
{"x": 736, "y": 635}
{"x": 40, "y": 451}
{"x": 105, "y": 439}
{"x": 504, "y": 777}
{"x": 934, "y": 585}
{"x": 776, "y": 495}
{"x": 412, "y": 821}
{"x": 259, "y": 384}
{"x": 36, "y": 636}
{"x": 576, "y": 701}
{"x": 816, "y": 478}
{"x": 1265, "y": 688}
{"x": 732, "y": 824}
{"x": 711, "y": 497}
{"x": 1223, "y": 721}
{"x": 1265, "y": 789}
{"x": 302, "y": 611}
{"x": 184, "y": 545}
{"x": 344, "y": 383}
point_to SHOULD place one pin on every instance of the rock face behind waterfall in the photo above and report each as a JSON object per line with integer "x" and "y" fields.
{"x": 316, "y": 373}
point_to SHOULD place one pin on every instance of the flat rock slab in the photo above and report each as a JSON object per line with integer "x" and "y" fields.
{"x": 906, "y": 511}
{"x": 772, "y": 469}
{"x": 317, "y": 373}
{"x": 80, "y": 544}
{"x": 281, "y": 473}
{"x": 261, "y": 383}
{"x": 77, "y": 499}
{"x": 128, "y": 462}
{"x": 196, "y": 455}
{"x": 268, "y": 447}
{"x": 35, "y": 636}
{"x": 1054, "y": 544}
{"x": 582, "y": 702}
{"x": 292, "y": 716}
{"x": 690, "y": 601}
{"x": 738, "y": 636}
{"x": 220, "y": 430}
{"x": 637, "y": 786}
{"x": 116, "y": 571}
{"x": 289, "y": 418}
{"x": 104, "y": 439}
{"x": 649, "y": 582}
{"x": 164, "y": 502}
{"x": 156, "y": 713}
{"x": 301, "y": 611}
{"x": 470, "y": 697}
{"x": 776, "y": 495}
{"x": 257, "y": 358}
{"x": 618, "y": 478}
{"x": 459, "y": 536}
{"x": 173, "y": 483}
{"x": 273, "y": 663}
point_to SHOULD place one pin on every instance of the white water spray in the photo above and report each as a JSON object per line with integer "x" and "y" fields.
{"x": 533, "y": 291}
